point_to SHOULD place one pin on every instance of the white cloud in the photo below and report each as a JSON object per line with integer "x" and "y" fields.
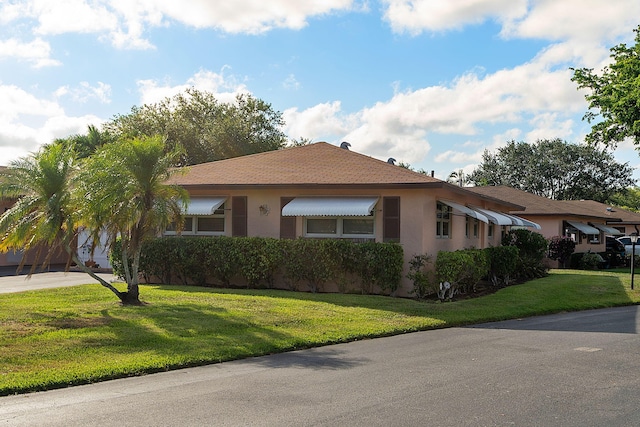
{"x": 320, "y": 122}
{"x": 594, "y": 20}
{"x": 124, "y": 22}
{"x": 26, "y": 122}
{"x": 291, "y": 83}
{"x": 36, "y": 52}
{"x": 416, "y": 16}
{"x": 224, "y": 87}
{"x": 85, "y": 92}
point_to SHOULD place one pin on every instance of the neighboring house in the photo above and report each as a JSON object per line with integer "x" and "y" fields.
{"x": 322, "y": 191}
{"x": 586, "y": 221}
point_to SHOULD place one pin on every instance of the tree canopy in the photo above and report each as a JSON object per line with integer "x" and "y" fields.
{"x": 555, "y": 169}
{"x": 614, "y": 94}
{"x": 205, "y": 128}
{"x": 126, "y": 196}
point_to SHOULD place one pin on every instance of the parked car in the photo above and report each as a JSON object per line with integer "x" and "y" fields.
{"x": 628, "y": 247}
{"x": 616, "y": 252}
{"x": 614, "y": 245}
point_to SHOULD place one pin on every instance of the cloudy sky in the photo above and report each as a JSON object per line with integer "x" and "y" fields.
{"x": 432, "y": 83}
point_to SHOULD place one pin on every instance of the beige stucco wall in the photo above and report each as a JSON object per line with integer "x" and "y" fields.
{"x": 417, "y": 217}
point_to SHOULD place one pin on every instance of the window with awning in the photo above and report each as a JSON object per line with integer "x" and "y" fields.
{"x": 519, "y": 221}
{"x": 608, "y": 230}
{"x": 337, "y": 217}
{"x": 204, "y": 206}
{"x": 583, "y": 228}
{"x": 202, "y": 216}
{"x": 495, "y": 217}
{"x": 468, "y": 211}
{"x": 330, "y": 206}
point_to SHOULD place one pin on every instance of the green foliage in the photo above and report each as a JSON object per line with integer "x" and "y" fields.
{"x": 532, "y": 248}
{"x": 503, "y": 262}
{"x": 380, "y": 264}
{"x": 125, "y": 194}
{"x": 590, "y": 261}
{"x": 87, "y": 144}
{"x": 462, "y": 269}
{"x": 628, "y": 199}
{"x": 555, "y": 169}
{"x": 258, "y": 261}
{"x": 561, "y": 248}
{"x": 614, "y": 95}
{"x": 422, "y": 276}
{"x": 44, "y": 211}
{"x": 204, "y": 128}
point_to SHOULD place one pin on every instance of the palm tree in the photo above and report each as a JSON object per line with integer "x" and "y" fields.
{"x": 44, "y": 217}
{"x": 126, "y": 196}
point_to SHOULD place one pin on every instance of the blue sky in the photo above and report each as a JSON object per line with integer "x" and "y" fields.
{"x": 432, "y": 83}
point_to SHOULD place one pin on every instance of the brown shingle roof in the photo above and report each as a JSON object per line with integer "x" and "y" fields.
{"x": 314, "y": 164}
{"x": 538, "y": 205}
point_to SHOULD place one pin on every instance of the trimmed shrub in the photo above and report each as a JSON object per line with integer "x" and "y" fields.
{"x": 258, "y": 261}
{"x": 422, "y": 276}
{"x": 532, "y": 248}
{"x": 503, "y": 262}
{"x": 380, "y": 265}
{"x": 590, "y": 261}
{"x": 561, "y": 248}
{"x": 461, "y": 270}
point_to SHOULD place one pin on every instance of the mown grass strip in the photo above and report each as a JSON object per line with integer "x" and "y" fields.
{"x": 66, "y": 336}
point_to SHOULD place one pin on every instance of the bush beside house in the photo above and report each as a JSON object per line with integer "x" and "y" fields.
{"x": 258, "y": 262}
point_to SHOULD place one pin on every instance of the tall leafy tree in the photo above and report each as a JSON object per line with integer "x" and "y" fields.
{"x": 86, "y": 144}
{"x": 555, "y": 169}
{"x": 126, "y": 195}
{"x": 204, "y": 127}
{"x": 614, "y": 95}
{"x": 44, "y": 217}
{"x": 627, "y": 199}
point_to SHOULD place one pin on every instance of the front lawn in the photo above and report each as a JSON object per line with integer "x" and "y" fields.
{"x": 59, "y": 337}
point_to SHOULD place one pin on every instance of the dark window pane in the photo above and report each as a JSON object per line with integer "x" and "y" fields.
{"x": 357, "y": 226}
{"x": 208, "y": 224}
{"x": 322, "y": 226}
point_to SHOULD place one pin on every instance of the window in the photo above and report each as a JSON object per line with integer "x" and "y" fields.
{"x": 210, "y": 225}
{"x": 471, "y": 226}
{"x": 353, "y": 227}
{"x": 443, "y": 221}
{"x": 490, "y": 232}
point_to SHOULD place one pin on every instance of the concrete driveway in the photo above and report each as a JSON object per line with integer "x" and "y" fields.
{"x": 10, "y": 282}
{"x": 571, "y": 369}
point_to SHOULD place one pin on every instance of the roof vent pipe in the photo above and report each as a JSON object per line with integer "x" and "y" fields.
{"x": 391, "y": 161}
{"x": 345, "y": 145}
{"x": 432, "y": 173}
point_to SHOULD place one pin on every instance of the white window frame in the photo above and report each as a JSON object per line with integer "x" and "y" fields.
{"x": 443, "y": 216}
{"x": 219, "y": 213}
{"x": 339, "y": 234}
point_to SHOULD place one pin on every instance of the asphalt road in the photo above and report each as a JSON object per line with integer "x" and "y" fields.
{"x": 573, "y": 369}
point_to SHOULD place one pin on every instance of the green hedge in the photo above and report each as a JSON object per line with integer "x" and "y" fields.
{"x": 461, "y": 271}
{"x": 257, "y": 262}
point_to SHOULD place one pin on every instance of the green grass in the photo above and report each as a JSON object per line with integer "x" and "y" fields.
{"x": 59, "y": 337}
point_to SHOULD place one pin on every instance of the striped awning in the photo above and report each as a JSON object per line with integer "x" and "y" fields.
{"x": 609, "y": 230}
{"x": 523, "y": 222}
{"x": 204, "y": 205}
{"x": 496, "y": 217}
{"x": 468, "y": 211}
{"x": 330, "y": 206}
{"x": 584, "y": 228}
